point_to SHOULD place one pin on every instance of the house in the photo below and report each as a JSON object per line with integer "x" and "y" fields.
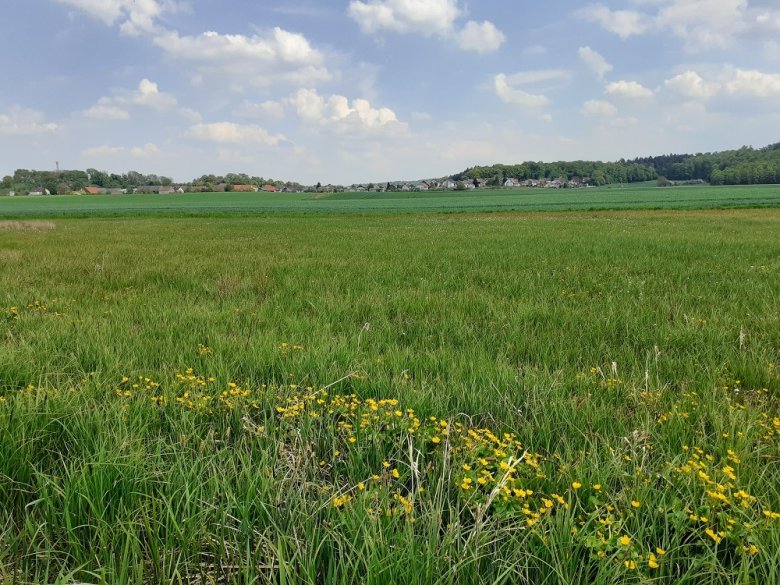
{"x": 448, "y": 184}
{"x": 166, "y": 190}
{"x": 269, "y": 189}
{"x": 511, "y": 183}
{"x": 115, "y": 191}
{"x": 424, "y": 186}
{"x": 554, "y": 184}
{"x": 180, "y": 190}
{"x": 245, "y": 188}
{"x": 406, "y": 187}
{"x": 36, "y": 191}
{"x": 93, "y": 190}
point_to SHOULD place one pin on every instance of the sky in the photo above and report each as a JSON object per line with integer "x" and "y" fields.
{"x": 347, "y": 91}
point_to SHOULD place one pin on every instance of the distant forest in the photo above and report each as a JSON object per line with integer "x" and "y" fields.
{"x": 745, "y": 166}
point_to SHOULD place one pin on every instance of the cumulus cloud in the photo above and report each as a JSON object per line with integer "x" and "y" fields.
{"x": 594, "y": 61}
{"x": 263, "y": 59}
{"x": 135, "y": 16}
{"x": 145, "y": 151}
{"x": 624, "y": 23}
{"x": 232, "y": 133}
{"x": 480, "y": 37}
{"x": 428, "y": 18}
{"x": 691, "y": 85}
{"x": 732, "y": 82}
{"x": 599, "y": 108}
{"x": 699, "y": 24}
{"x": 18, "y": 121}
{"x": 628, "y": 89}
{"x": 148, "y": 150}
{"x": 754, "y": 84}
{"x": 147, "y": 95}
{"x": 509, "y": 94}
{"x": 268, "y": 109}
{"x": 260, "y": 60}
{"x": 342, "y": 115}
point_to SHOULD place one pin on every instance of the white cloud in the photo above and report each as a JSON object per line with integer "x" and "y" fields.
{"x": 268, "y": 109}
{"x": 754, "y": 84}
{"x": 231, "y": 133}
{"x": 145, "y": 151}
{"x": 624, "y": 23}
{"x": 426, "y": 17}
{"x": 234, "y": 60}
{"x": 703, "y": 24}
{"x": 148, "y": 150}
{"x": 429, "y": 18}
{"x": 599, "y": 108}
{"x": 147, "y": 95}
{"x": 512, "y": 95}
{"x": 594, "y": 61}
{"x": 628, "y": 89}
{"x": 691, "y": 85}
{"x": 480, "y": 37}
{"x": 699, "y": 24}
{"x": 18, "y": 121}
{"x": 135, "y": 16}
{"x": 106, "y": 112}
{"x": 342, "y": 115}
{"x": 538, "y": 76}
{"x": 259, "y": 60}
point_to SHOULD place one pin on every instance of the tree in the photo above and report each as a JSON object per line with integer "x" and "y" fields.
{"x": 663, "y": 181}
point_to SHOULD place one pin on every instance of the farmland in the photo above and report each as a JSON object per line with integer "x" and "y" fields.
{"x": 642, "y": 196}
{"x": 509, "y": 397}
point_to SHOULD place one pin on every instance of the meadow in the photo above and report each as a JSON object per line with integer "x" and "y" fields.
{"x": 641, "y": 196}
{"x": 431, "y": 398}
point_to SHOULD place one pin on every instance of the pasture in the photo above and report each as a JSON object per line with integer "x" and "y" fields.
{"x": 447, "y": 398}
{"x": 643, "y": 196}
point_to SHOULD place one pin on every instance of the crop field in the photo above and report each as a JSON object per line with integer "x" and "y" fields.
{"x": 642, "y": 196}
{"x": 391, "y": 398}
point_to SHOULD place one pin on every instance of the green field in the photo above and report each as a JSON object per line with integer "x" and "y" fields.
{"x": 613, "y": 197}
{"x": 579, "y": 397}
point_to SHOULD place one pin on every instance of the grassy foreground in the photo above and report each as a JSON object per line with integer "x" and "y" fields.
{"x": 502, "y": 398}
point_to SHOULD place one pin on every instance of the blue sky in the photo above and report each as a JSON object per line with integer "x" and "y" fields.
{"x": 350, "y": 91}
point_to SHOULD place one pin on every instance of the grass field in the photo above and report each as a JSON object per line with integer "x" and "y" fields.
{"x": 612, "y": 197}
{"x": 492, "y": 398}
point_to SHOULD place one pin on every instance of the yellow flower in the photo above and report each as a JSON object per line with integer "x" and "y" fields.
{"x": 395, "y": 473}
{"x": 625, "y": 540}
{"x": 466, "y": 467}
{"x": 659, "y": 551}
{"x": 597, "y": 487}
{"x": 716, "y": 537}
{"x": 652, "y": 561}
{"x": 361, "y": 486}
{"x": 352, "y": 440}
{"x": 630, "y": 565}
{"x": 436, "y": 440}
{"x": 576, "y": 485}
{"x": 635, "y": 504}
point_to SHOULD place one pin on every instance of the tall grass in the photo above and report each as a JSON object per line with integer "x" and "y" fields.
{"x": 626, "y": 354}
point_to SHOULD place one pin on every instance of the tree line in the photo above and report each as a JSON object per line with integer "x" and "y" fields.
{"x": 744, "y": 166}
